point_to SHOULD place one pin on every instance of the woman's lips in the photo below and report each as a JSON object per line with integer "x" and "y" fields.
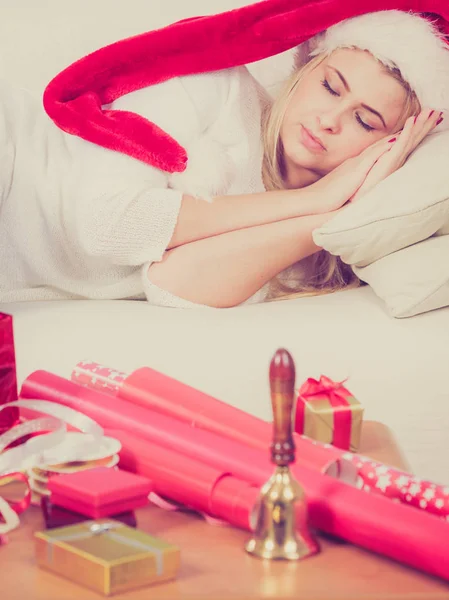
{"x": 309, "y": 141}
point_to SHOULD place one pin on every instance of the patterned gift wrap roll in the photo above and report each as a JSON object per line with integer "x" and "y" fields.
{"x": 401, "y": 487}
{"x": 98, "y": 377}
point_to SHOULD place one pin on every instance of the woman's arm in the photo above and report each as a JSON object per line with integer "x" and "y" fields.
{"x": 245, "y": 241}
{"x": 225, "y": 270}
{"x": 198, "y": 219}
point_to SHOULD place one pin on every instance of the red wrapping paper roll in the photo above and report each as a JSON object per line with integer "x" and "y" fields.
{"x": 373, "y": 522}
{"x": 188, "y": 481}
{"x": 158, "y": 392}
{"x": 218, "y": 493}
{"x": 110, "y": 412}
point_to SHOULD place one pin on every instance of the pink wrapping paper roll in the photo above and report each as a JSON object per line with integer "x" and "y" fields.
{"x": 373, "y": 522}
{"x": 158, "y": 392}
{"x": 217, "y": 493}
{"x": 149, "y": 388}
{"x": 187, "y": 481}
{"x": 394, "y": 484}
{"x": 251, "y": 464}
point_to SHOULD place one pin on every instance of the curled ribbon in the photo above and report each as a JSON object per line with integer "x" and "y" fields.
{"x": 32, "y": 452}
{"x": 9, "y": 516}
{"x": 337, "y": 395}
{"x": 10, "y": 509}
{"x": 171, "y": 506}
{"x": 18, "y": 506}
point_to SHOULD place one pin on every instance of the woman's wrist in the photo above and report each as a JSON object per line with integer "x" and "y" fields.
{"x": 199, "y": 219}
{"x": 315, "y": 199}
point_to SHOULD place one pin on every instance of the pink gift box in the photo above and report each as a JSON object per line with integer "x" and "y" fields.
{"x": 56, "y": 516}
{"x": 100, "y": 492}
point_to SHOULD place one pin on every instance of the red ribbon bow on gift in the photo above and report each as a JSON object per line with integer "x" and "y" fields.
{"x": 337, "y": 395}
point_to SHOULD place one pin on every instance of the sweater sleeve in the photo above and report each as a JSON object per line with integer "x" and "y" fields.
{"x": 160, "y": 297}
{"x": 129, "y": 225}
{"x": 125, "y": 209}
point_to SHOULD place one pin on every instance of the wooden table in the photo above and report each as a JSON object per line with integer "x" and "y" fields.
{"x": 215, "y": 566}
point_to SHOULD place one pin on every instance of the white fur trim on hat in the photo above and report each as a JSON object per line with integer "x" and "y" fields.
{"x": 398, "y": 39}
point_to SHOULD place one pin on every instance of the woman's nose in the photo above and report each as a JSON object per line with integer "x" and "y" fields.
{"x": 330, "y": 120}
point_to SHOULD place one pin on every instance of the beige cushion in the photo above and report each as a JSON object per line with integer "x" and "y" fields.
{"x": 374, "y": 235}
{"x": 413, "y": 280}
{"x": 407, "y": 207}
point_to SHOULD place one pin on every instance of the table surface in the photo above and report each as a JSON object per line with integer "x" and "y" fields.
{"x": 215, "y": 565}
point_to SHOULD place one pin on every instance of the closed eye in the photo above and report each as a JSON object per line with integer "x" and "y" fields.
{"x": 363, "y": 124}
{"x": 326, "y": 85}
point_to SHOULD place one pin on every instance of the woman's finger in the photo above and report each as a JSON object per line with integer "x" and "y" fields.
{"x": 378, "y": 146}
{"x": 424, "y": 123}
{"x": 415, "y": 129}
{"x": 430, "y": 122}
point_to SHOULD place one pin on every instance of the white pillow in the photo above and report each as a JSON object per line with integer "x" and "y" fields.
{"x": 413, "y": 280}
{"x": 387, "y": 235}
{"x": 407, "y": 207}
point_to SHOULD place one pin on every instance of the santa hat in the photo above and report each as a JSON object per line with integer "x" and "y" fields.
{"x": 398, "y": 39}
{"x": 74, "y": 99}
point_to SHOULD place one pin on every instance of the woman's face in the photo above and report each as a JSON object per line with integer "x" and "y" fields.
{"x": 344, "y": 105}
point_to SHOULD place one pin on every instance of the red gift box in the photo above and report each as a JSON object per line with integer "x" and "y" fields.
{"x": 99, "y": 492}
{"x": 56, "y": 516}
{"x": 8, "y": 382}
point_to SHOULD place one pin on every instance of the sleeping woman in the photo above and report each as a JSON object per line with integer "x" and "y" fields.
{"x": 79, "y": 221}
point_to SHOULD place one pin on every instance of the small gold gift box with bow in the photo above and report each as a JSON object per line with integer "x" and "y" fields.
{"x": 327, "y": 412}
{"x": 106, "y": 556}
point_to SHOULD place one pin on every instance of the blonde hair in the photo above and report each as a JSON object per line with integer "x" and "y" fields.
{"x": 323, "y": 273}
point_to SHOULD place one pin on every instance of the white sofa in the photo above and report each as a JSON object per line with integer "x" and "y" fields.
{"x": 397, "y": 368}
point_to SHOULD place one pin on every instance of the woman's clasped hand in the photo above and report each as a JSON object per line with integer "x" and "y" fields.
{"x": 357, "y": 175}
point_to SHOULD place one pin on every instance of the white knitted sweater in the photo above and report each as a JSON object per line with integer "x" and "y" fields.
{"x": 80, "y": 221}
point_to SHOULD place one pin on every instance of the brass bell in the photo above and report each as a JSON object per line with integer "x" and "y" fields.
{"x": 281, "y": 529}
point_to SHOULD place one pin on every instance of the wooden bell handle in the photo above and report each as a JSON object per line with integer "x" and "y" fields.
{"x": 282, "y": 387}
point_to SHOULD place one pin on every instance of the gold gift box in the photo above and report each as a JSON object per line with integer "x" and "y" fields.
{"x": 319, "y": 412}
{"x": 106, "y": 556}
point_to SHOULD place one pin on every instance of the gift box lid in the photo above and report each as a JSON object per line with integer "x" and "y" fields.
{"x": 100, "y": 486}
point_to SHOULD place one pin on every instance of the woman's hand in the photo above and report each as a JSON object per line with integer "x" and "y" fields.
{"x": 357, "y": 175}
{"x": 336, "y": 188}
{"x": 413, "y": 133}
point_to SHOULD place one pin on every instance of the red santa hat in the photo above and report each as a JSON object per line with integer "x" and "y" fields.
{"x": 398, "y": 39}
{"x": 74, "y": 99}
